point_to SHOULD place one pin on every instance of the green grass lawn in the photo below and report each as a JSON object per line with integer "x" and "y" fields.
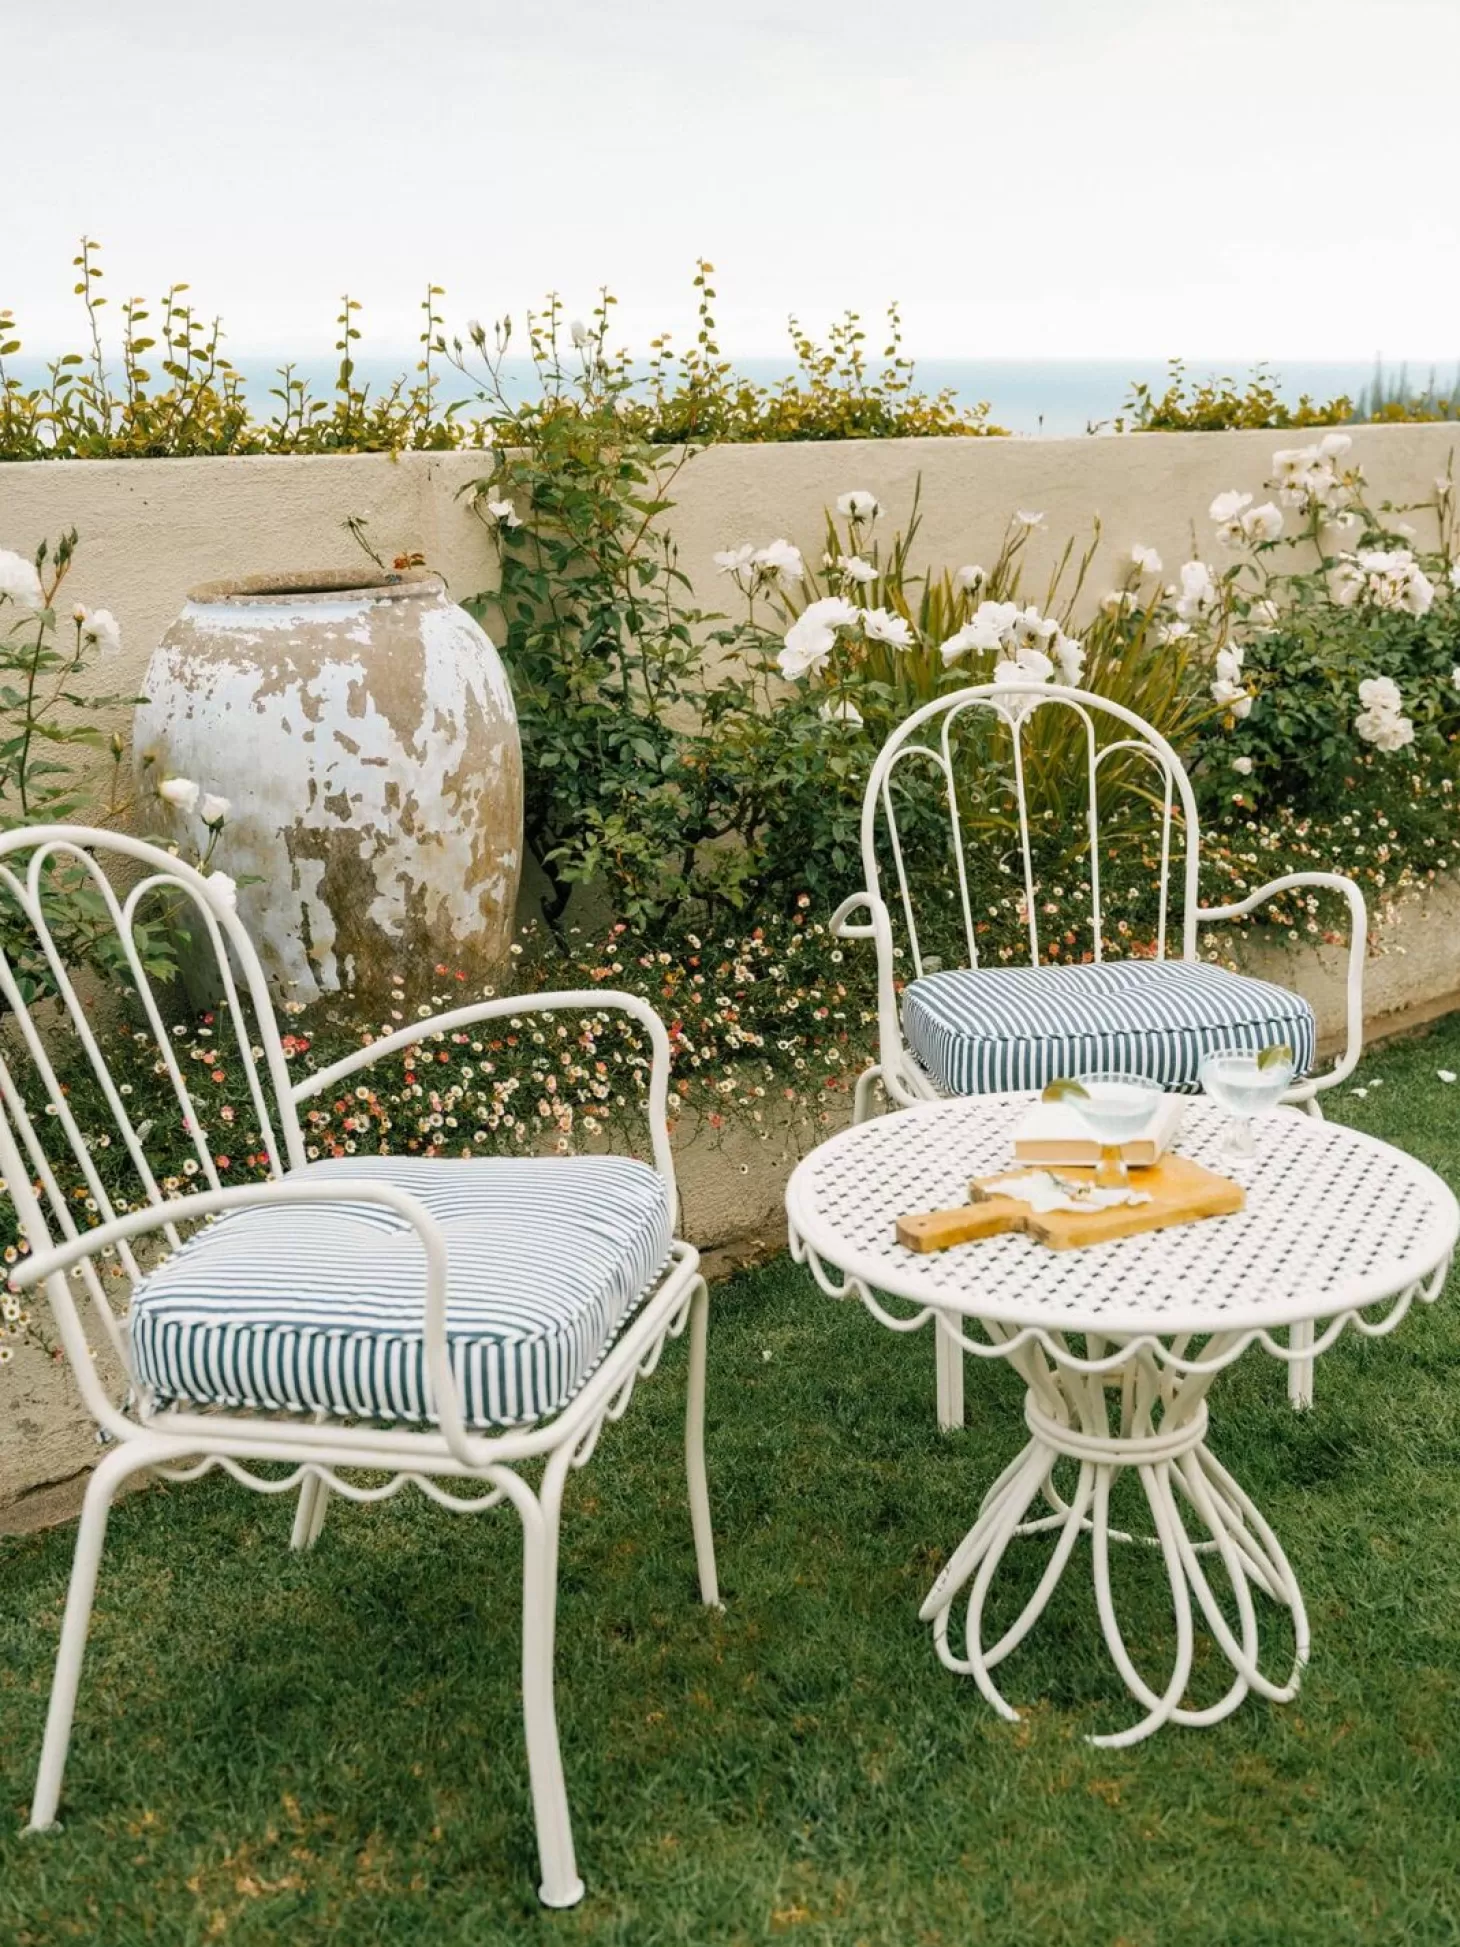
{"x": 280, "y": 1749}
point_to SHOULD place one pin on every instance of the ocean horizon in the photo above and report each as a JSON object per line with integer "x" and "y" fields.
{"x": 1047, "y": 398}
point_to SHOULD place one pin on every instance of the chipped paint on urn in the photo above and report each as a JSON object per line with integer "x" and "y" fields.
{"x": 362, "y": 729}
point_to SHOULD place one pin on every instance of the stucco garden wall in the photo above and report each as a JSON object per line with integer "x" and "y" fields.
{"x": 152, "y": 529}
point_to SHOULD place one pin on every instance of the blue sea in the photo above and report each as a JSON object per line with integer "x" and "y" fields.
{"x": 1052, "y": 398}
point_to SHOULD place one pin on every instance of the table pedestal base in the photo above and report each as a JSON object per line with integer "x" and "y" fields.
{"x": 1189, "y": 1492}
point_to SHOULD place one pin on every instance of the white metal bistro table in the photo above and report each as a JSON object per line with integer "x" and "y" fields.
{"x": 1118, "y": 1345}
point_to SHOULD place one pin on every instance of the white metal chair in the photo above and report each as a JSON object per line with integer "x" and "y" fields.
{"x": 501, "y": 1310}
{"x": 971, "y": 1029}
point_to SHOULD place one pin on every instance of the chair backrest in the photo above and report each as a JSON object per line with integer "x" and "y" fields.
{"x": 53, "y": 878}
{"x": 988, "y": 745}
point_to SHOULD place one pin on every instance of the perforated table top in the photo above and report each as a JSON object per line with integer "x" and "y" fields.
{"x": 1335, "y": 1220}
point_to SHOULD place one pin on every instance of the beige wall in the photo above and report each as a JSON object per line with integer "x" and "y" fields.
{"x": 152, "y": 529}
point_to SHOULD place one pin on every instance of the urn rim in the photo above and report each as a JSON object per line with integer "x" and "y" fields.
{"x": 320, "y": 585}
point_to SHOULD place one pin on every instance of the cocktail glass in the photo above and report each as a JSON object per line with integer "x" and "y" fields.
{"x": 1115, "y": 1107}
{"x": 1247, "y": 1084}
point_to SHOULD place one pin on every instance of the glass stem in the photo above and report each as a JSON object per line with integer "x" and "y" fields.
{"x": 1111, "y": 1172}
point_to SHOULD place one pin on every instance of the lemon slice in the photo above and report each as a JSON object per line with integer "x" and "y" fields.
{"x": 1064, "y": 1088}
{"x": 1275, "y": 1056}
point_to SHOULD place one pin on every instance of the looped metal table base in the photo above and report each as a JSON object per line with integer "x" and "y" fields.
{"x": 1186, "y": 1489}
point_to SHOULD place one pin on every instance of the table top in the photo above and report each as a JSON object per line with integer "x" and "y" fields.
{"x": 1335, "y": 1220}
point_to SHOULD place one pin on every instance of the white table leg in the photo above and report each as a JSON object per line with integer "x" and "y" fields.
{"x": 1200, "y": 1518}
{"x": 1300, "y": 1371}
{"x": 949, "y": 1357}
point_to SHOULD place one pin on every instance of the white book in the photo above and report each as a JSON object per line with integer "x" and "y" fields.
{"x": 1052, "y": 1132}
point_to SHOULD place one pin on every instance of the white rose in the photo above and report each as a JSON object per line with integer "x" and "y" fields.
{"x": 1455, "y": 676}
{"x": 222, "y": 891}
{"x": 989, "y": 627}
{"x": 1069, "y": 653}
{"x": 858, "y": 506}
{"x": 1418, "y": 592}
{"x": 1346, "y": 583}
{"x": 1384, "y": 729}
{"x": 1118, "y": 601}
{"x": 1263, "y": 523}
{"x": 1265, "y": 613}
{"x": 501, "y": 513}
{"x": 779, "y": 561}
{"x": 101, "y": 629}
{"x": 968, "y": 578}
{"x": 966, "y": 638}
{"x": 1146, "y": 559}
{"x": 832, "y": 612}
{"x": 1228, "y": 506}
{"x": 476, "y": 330}
{"x": 881, "y": 625}
{"x": 19, "y": 580}
{"x": 1030, "y": 628}
{"x": 844, "y": 712}
{"x": 1169, "y": 632}
{"x": 1027, "y": 520}
{"x": 736, "y": 562}
{"x": 1242, "y": 766}
{"x": 1333, "y": 446}
{"x": 852, "y": 567}
{"x": 1229, "y": 665}
{"x": 578, "y": 331}
{"x": 180, "y": 792}
{"x": 807, "y": 647}
{"x": 1027, "y": 666}
{"x": 1198, "y": 590}
{"x": 1381, "y": 693}
{"x": 812, "y": 636}
{"x": 1231, "y": 696}
{"x": 213, "y": 810}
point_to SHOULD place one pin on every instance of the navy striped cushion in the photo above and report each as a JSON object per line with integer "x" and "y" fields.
{"x": 977, "y": 1032}
{"x": 318, "y": 1307}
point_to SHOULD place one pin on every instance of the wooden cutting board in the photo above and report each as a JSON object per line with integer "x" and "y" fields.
{"x": 1181, "y": 1192}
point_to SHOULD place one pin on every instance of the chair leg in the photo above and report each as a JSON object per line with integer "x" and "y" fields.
{"x": 949, "y": 1358}
{"x": 694, "y": 1446}
{"x": 314, "y": 1497}
{"x": 560, "y": 1885}
{"x": 121, "y": 1461}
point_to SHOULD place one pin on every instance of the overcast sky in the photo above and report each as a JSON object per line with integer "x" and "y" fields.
{"x": 1070, "y": 178}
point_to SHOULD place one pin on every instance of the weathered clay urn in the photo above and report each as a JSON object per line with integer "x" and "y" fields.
{"x": 362, "y": 729}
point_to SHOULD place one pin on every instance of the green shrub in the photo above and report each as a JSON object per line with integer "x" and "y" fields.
{"x": 1220, "y": 405}
{"x": 169, "y": 390}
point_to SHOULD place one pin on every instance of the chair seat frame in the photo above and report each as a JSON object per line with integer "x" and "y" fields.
{"x": 458, "y": 1468}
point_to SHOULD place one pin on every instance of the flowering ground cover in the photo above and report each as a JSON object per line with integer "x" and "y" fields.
{"x": 326, "y": 1748}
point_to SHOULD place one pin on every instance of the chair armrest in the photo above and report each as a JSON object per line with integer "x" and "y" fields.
{"x": 879, "y": 929}
{"x": 1358, "y": 943}
{"x": 54, "y": 1263}
{"x": 837, "y": 925}
{"x": 505, "y": 1006}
